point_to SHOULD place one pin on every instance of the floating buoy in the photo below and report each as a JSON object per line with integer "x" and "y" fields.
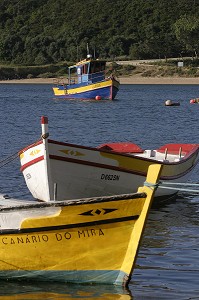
{"x": 98, "y": 98}
{"x": 170, "y": 103}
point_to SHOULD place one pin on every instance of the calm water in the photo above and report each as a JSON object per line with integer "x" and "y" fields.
{"x": 168, "y": 261}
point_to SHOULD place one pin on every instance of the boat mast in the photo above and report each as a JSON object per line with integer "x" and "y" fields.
{"x": 87, "y": 50}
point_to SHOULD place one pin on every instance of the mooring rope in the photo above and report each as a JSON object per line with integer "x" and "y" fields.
{"x": 13, "y": 156}
{"x": 151, "y": 185}
{"x": 171, "y": 186}
{"x": 8, "y": 159}
{"x": 179, "y": 183}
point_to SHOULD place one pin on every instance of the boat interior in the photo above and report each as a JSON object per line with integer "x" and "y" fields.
{"x": 167, "y": 153}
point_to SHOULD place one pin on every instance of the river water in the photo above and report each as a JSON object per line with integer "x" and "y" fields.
{"x": 168, "y": 260}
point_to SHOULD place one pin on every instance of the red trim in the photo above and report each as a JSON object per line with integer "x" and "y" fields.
{"x": 186, "y": 158}
{"x": 71, "y": 145}
{"x": 194, "y": 151}
{"x": 30, "y": 146}
{"x": 44, "y": 120}
{"x": 122, "y": 147}
{"x": 98, "y": 165}
{"x": 32, "y": 162}
{"x": 103, "y": 166}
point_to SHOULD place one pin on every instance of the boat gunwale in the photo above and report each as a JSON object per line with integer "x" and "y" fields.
{"x": 187, "y": 157}
{"x": 38, "y": 142}
{"x": 74, "y": 202}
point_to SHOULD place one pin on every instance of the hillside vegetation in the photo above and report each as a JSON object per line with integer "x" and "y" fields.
{"x": 161, "y": 68}
{"x": 41, "y": 32}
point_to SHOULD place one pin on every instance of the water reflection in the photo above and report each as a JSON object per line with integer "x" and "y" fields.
{"x": 30, "y": 290}
{"x": 167, "y": 264}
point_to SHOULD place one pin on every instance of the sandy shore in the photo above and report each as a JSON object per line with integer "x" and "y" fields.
{"x": 158, "y": 80}
{"x": 123, "y": 80}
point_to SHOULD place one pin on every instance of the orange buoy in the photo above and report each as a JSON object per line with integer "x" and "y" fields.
{"x": 98, "y": 98}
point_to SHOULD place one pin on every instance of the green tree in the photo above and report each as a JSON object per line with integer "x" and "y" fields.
{"x": 2, "y": 51}
{"x": 47, "y": 30}
{"x": 187, "y": 32}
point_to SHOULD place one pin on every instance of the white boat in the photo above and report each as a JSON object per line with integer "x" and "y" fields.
{"x": 55, "y": 170}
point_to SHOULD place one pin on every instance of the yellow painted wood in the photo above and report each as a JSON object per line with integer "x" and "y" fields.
{"x": 153, "y": 176}
{"x": 104, "y": 239}
{"x": 136, "y": 164}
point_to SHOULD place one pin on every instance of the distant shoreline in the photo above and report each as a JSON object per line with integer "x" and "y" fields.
{"x": 122, "y": 79}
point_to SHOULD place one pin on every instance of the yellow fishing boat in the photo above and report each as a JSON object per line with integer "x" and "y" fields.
{"x": 89, "y": 240}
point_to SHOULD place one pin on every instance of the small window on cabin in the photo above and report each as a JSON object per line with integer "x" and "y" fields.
{"x": 78, "y": 71}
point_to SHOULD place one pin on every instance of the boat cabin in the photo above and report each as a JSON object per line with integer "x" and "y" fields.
{"x": 87, "y": 71}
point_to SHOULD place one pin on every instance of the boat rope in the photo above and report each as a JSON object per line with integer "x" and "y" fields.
{"x": 13, "y": 156}
{"x": 8, "y": 159}
{"x": 175, "y": 186}
{"x": 179, "y": 183}
{"x": 45, "y": 135}
{"x": 151, "y": 185}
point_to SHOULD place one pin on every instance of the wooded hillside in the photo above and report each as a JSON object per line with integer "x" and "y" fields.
{"x": 34, "y": 32}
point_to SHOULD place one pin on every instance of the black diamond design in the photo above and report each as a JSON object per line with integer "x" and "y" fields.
{"x": 104, "y": 211}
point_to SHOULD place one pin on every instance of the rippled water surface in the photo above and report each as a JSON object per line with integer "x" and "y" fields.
{"x": 168, "y": 261}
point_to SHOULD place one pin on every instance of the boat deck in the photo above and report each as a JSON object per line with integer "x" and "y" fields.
{"x": 161, "y": 157}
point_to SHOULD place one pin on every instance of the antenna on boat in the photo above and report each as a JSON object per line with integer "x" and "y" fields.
{"x": 94, "y": 53}
{"x": 87, "y": 49}
{"x": 89, "y": 56}
{"x": 77, "y": 53}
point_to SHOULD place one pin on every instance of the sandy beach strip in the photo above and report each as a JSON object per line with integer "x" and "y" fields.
{"x": 123, "y": 80}
{"x": 158, "y": 80}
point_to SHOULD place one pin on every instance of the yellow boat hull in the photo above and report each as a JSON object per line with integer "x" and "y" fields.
{"x": 80, "y": 241}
